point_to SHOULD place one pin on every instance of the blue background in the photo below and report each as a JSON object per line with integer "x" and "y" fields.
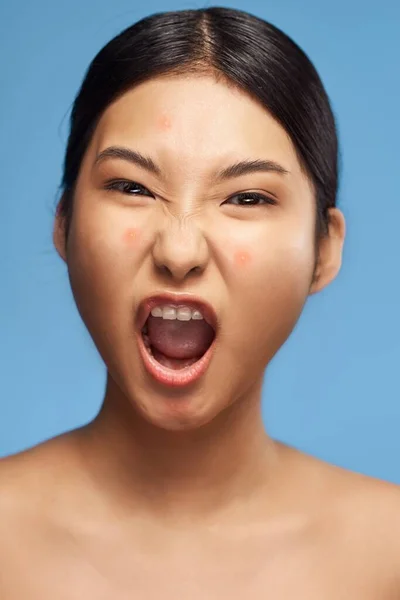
{"x": 333, "y": 389}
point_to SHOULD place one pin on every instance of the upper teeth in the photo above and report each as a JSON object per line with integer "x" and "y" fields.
{"x": 182, "y": 313}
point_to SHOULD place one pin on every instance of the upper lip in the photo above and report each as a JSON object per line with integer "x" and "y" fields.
{"x": 170, "y": 299}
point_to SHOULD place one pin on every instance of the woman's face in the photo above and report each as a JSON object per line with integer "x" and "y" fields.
{"x": 178, "y": 226}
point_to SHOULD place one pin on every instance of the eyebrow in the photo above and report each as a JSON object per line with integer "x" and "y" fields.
{"x": 131, "y": 156}
{"x": 238, "y": 169}
{"x": 251, "y": 166}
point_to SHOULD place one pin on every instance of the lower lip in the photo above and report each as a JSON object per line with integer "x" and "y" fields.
{"x": 171, "y": 377}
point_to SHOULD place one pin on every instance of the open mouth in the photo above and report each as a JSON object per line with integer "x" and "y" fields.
{"x": 177, "y": 341}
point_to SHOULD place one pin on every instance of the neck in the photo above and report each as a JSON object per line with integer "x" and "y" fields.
{"x": 178, "y": 473}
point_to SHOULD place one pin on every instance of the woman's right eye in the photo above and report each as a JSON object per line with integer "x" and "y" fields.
{"x": 127, "y": 187}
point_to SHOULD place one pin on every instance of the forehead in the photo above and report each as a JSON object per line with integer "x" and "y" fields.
{"x": 195, "y": 118}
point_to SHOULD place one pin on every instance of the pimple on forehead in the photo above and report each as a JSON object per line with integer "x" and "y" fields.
{"x": 242, "y": 258}
{"x": 130, "y": 236}
{"x": 164, "y": 122}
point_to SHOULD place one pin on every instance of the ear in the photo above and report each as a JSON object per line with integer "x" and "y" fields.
{"x": 330, "y": 250}
{"x": 59, "y": 238}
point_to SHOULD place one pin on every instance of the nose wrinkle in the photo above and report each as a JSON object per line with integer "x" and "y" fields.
{"x": 180, "y": 247}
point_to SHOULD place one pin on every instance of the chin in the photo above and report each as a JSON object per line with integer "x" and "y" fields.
{"x": 177, "y": 412}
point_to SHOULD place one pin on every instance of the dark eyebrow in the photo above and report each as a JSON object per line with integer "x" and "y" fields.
{"x": 251, "y": 166}
{"x": 236, "y": 170}
{"x": 131, "y": 156}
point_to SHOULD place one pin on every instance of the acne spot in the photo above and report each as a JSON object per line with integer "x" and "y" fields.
{"x": 164, "y": 123}
{"x": 130, "y": 236}
{"x": 242, "y": 258}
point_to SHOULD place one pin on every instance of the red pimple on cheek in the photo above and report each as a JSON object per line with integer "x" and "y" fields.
{"x": 130, "y": 236}
{"x": 242, "y": 258}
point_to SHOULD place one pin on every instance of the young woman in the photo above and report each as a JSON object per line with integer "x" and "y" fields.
{"x": 198, "y": 214}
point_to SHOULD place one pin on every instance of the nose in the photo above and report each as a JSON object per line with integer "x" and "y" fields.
{"x": 180, "y": 250}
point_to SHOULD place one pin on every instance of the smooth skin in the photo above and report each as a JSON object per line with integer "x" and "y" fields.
{"x": 183, "y": 494}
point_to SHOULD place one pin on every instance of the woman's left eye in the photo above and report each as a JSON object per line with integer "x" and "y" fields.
{"x": 250, "y": 199}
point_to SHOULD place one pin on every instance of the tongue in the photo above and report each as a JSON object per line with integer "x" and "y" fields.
{"x": 179, "y": 339}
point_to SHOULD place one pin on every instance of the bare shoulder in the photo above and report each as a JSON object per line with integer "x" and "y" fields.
{"x": 359, "y": 516}
{"x": 17, "y": 478}
{"x": 370, "y": 511}
{"x": 32, "y": 485}
{"x": 367, "y": 516}
{"x": 371, "y": 507}
{"x": 28, "y": 481}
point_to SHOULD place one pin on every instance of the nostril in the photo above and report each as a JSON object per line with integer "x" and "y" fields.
{"x": 196, "y": 270}
{"x": 165, "y": 270}
{"x": 179, "y": 272}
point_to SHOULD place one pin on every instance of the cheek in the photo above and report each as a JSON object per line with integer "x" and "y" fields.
{"x": 242, "y": 258}
{"x": 131, "y": 237}
{"x": 280, "y": 272}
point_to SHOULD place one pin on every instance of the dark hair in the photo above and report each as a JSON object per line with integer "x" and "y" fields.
{"x": 233, "y": 45}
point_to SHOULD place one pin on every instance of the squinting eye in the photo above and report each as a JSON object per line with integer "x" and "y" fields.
{"x": 249, "y": 199}
{"x": 127, "y": 187}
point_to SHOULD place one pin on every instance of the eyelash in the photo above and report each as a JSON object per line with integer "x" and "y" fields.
{"x": 120, "y": 185}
